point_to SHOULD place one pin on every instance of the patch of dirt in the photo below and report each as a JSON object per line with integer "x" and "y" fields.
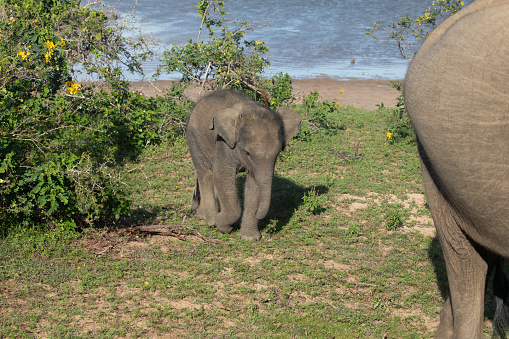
{"x": 356, "y": 206}
{"x": 335, "y": 265}
{"x": 423, "y": 223}
{"x": 364, "y": 94}
{"x": 431, "y": 324}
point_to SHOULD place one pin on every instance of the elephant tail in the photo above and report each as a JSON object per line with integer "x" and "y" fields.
{"x": 501, "y": 292}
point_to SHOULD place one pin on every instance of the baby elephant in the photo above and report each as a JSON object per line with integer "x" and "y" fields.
{"x": 227, "y": 133}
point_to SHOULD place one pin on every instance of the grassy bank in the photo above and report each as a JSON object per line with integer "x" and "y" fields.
{"x": 348, "y": 251}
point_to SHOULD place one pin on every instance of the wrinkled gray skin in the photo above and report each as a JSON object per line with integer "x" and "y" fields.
{"x": 457, "y": 97}
{"x": 228, "y": 133}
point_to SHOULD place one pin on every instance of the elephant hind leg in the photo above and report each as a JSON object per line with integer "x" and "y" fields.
{"x": 203, "y": 203}
{"x": 446, "y": 326}
{"x": 501, "y": 291}
{"x": 466, "y": 267}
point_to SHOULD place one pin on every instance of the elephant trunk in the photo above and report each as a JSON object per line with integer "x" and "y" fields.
{"x": 265, "y": 189}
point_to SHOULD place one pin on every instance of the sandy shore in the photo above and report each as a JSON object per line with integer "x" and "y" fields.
{"x": 364, "y": 94}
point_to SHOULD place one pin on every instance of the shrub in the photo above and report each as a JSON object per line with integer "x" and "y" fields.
{"x": 409, "y": 33}
{"x": 226, "y": 59}
{"x": 399, "y": 127}
{"x": 313, "y": 201}
{"x": 320, "y": 116}
{"x": 62, "y": 142}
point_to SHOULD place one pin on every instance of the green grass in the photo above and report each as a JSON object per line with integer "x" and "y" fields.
{"x": 348, "y": 251}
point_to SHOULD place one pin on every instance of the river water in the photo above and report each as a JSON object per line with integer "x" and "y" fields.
{"x": 306, "y": 38}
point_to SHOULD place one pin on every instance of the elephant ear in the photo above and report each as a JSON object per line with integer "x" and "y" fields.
{"x": 224, "y": 124}
{"x": 291, "y": 122}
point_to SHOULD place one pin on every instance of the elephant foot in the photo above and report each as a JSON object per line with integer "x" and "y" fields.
{"x": 252, "y": 235}
{"x": 249, "y": 228}
{"x": 224, "y": 220}
{"x": 197, "y": 213}
{"x": 225, "y": 228}
{"x": 202, "y": 215}
{"x": 445, "y": 328}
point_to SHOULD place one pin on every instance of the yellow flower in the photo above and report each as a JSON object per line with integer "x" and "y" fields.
{"x": 51, "y": 48}
{"x": 462, "y": 3}
{"x": 389, "y": 135}
{"x": 341, "y": 91}
{"x": 50, "y": 45}
{"x": 23, "y": 55}
{"x": 73, "y": 87}
{"x": 62, "y": 42}
{"x": 146, "y": 282}
{"x": 258, "y": 42}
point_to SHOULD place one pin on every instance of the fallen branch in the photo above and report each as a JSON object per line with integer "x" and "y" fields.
{"x": 347, "y": 156}
{"x": 103, "y": 252}
{"x": 174, "y": 230}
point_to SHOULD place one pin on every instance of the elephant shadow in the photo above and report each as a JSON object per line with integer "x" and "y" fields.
{"x": 286, "y": 198}
{"x": 437, "y": 258}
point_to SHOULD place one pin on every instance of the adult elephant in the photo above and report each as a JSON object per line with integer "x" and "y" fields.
{"x": 457, "y": 97}
{"x": 228, "y": 133}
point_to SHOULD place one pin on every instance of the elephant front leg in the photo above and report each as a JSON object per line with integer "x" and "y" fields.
{"x": 224, "y": 181}
{"x": 249, "y": 226}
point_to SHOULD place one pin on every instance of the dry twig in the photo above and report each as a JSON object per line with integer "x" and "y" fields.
{"x": 173, "y": 230}
{"x": 348, "y": 156}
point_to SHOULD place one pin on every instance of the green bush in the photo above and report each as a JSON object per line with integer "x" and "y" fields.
{"x": 408, "y": 33}
{"x": 313, "y": 201}
{"x": 393, "y": 220}
{"x": 320, "y": 116}
{"x": 399, "y": 127}
{"x": 226, "y": 59}
{"x": 63, "y": 143}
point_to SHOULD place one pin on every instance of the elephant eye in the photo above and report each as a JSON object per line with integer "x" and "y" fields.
{"x": 247, "y": 153}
